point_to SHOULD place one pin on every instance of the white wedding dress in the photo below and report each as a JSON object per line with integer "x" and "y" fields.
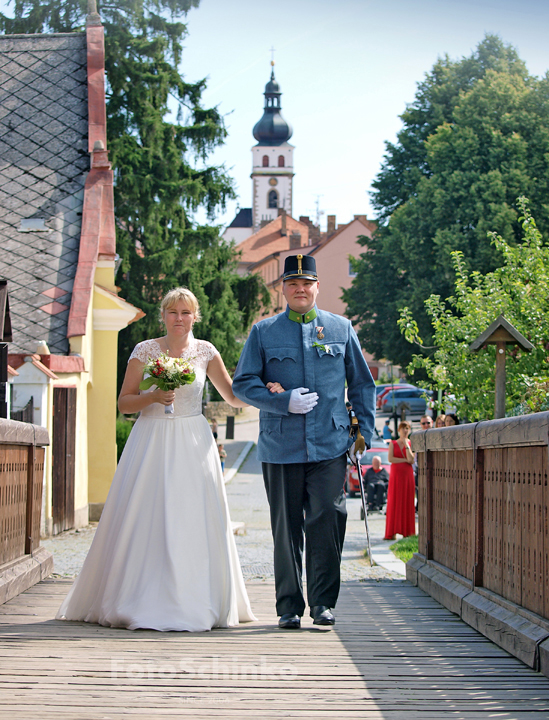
{"x": 164, "y": 555}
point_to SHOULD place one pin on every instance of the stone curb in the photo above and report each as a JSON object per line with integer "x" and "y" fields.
{"x": 231, "y": 472}
{"x": 382, "y": 556}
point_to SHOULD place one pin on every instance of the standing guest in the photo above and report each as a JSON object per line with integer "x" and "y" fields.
{"x": 401, "y": 516}
{"x": 214, "y": 428}
{"x": 304, "y": 436}
{"x": 222, "y": 456}
{"x": 387, "y": 434}
{"x": 375, "y": 482}
{"x": 439, "y": 422}
{"x": 451, "y": 419}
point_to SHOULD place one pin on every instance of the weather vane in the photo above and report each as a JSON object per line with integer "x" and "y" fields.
{"x": 272, "y": 56}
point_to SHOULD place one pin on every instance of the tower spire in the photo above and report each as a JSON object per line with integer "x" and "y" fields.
{"x": 272, "y": 129}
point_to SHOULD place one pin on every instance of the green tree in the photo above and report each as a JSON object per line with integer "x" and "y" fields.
{"x": 161, "y": 170}
{"x": 519, "y": 290}
{"x": 475, "y": 138}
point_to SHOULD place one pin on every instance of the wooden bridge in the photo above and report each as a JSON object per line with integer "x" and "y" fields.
{"x": 394, "y": 653}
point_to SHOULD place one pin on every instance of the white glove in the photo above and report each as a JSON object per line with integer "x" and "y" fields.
{"x": 302, "y": 401}
{"x": 357, "y": 448}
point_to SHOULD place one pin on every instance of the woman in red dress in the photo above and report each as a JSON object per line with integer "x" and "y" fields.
{"x": 401, "y": 515}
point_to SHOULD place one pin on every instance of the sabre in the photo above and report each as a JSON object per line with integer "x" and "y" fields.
{"x": 358, "y": 457}
{"x": 355, "y": 432}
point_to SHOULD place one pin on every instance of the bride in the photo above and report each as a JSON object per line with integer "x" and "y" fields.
{"x": 164, "y": 555}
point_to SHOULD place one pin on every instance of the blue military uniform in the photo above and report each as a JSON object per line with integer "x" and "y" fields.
{"x": 303, "y": 455}
{"x": 288, "y": 351}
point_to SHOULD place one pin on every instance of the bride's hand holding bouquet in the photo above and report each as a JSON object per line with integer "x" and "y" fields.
{"x": 167, "y": 373}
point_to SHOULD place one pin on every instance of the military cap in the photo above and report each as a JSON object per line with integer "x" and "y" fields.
{"x": 300, "y": 266}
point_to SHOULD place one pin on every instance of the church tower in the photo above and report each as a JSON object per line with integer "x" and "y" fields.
{"x": 272, "y": 160}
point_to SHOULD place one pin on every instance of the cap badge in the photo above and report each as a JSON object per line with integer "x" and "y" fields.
{"x": 299, "y": 268}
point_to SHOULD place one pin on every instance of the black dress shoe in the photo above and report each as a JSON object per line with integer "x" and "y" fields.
{"x": 322, "y": 615}
{"x": 289, "y": 621}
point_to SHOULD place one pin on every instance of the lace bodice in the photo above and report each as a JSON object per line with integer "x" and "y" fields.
{"x": 188, "y": 399}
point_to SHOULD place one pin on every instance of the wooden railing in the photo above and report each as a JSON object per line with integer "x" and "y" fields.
{"x": 21, "y": 482}
{"x": 483, "y": 504}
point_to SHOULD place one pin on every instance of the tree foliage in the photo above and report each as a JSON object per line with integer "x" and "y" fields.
{"x": 160, "y": 166}
{"x": 475, "y": 138}
{"x": 519, "y": 290}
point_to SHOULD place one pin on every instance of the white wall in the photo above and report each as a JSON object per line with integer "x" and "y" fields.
{"x": 237, "y": 234}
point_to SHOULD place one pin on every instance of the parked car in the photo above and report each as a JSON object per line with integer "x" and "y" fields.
{"x": 410, "y": 399}
{"x": 351, "y": 479}
{"x": 383, "y": 394}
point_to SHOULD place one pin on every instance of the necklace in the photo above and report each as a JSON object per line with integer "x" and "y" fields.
{"x": 170, "y": 352}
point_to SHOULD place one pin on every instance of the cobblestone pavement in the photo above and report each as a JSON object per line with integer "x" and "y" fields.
{"x": 248, "y": 504}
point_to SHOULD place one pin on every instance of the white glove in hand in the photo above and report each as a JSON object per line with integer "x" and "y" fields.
{"x": 357, "y": 448}
{"x": 302, "y": 401}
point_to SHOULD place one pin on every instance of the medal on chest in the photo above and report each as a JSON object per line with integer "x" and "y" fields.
{"x": 319, "y": 333}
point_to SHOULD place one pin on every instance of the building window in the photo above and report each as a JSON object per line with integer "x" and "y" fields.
{"x": 265, "y": 161}
{"x": 281, "y": 161}
{"x": 273, "y": 199}
{"x": 352, "y": 273}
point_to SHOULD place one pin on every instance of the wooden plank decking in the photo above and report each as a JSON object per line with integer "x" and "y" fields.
{"x": 394, "y": 654}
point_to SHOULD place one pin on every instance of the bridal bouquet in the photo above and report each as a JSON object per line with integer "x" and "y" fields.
{"x": 167, "y": 373}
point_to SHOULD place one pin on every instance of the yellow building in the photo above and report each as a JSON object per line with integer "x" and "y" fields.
{"x": 57, "y": 232}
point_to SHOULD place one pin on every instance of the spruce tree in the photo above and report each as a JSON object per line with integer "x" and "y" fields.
{"x": 161, "y": 171}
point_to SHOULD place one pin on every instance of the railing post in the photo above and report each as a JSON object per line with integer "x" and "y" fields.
{"x": 429, "y": 503}
{"x": 478, "y": 569}
{"x": 31, "y": 463}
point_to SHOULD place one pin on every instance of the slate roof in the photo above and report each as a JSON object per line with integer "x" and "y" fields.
{"x": 243, "y": 219}
{"x": 44, "y": 161}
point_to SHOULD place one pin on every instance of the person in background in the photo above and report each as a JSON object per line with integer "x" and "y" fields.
{"x": 387, "y": 434}
{"x": 214, "y": 428}
{"x": 439, "y": 422}
{"x": 451, "y": 419}
{"x": 222, "y": 456}
{"x": 401, "y": 516}
{"x": 426, "y": 423}
{"x": 376, "y": 480}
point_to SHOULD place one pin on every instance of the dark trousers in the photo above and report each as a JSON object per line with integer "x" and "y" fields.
{"x": 307, "y": 498}
{"x": 375, "y": 494}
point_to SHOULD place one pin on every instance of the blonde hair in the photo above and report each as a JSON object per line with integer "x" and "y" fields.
{"x": 405, "y": 424}
{"x": 181, "y": 293}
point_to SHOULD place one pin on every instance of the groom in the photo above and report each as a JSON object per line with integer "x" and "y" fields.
{"x": 304, "y": 436}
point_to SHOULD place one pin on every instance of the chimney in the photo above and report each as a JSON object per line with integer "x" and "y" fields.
{"x": 331, "y": 224}
{"x": 295, "y": 240}
{"x": 283, "y": 230}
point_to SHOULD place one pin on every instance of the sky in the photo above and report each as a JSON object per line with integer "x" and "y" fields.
{"x": 347, "y": 70}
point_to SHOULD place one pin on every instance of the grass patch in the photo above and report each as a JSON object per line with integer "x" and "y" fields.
{"x": 405, "y": 548}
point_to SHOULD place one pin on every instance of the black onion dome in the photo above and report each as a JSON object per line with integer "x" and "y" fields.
{"x": 272, "y": 129}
